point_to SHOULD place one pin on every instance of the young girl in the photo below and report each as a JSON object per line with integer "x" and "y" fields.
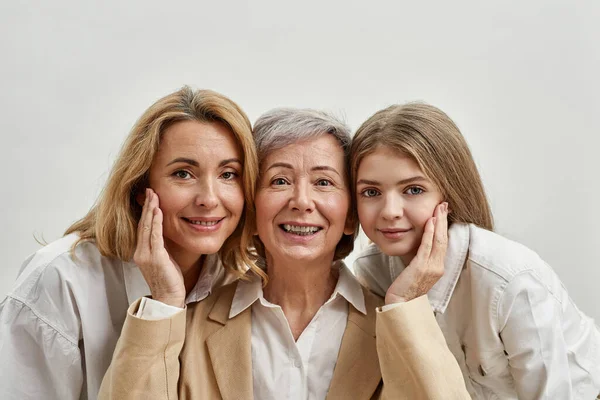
{"x": 505, "y": 314}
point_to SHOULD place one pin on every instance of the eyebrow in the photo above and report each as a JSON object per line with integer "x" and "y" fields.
{"x": 317, "y": 168}
{"x": 195, "y": 163}
{"x": 402, "y": 182}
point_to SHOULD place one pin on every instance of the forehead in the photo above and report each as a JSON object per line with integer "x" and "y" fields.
{"x": 323, "y": 150}
{"x": 397, "y": 163}
{"x": 198, "y": 139}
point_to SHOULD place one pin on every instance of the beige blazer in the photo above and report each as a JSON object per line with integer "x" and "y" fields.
{"x": 209, "y": 355}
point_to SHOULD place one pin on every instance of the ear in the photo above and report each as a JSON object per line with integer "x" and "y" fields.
{"x": 350, "y": 225}
{"x": 140, "y": 197}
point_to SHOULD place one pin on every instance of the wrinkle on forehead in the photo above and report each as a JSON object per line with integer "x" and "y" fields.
{"x": 304, "y": 156}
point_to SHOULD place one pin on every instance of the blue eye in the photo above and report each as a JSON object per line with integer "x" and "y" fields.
{"x": 370, "y": 193}
{"x": 414, "y": 190}
{"x": 182, "y": 174}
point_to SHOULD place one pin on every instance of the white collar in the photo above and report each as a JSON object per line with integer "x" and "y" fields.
{"x": 249, "y": 291}
{"x": 456, "y": 255}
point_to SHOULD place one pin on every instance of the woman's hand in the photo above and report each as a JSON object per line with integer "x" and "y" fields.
{"x": 428, "y": 265}
{"x": 162, "y": 274}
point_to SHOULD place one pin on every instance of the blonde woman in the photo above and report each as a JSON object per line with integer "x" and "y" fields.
{"x": 191, "y": 157}
{"x": 506, "y": 316}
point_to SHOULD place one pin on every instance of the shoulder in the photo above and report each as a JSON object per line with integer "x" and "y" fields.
{"x": 51, "y": 282}
{"x": 55, "y": 267}
{"x": 491, "y": 253}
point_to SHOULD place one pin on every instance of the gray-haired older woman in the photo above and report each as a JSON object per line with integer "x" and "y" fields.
{"x": 306, "y": 329}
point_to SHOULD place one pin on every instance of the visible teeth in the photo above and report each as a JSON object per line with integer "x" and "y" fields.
{"x": 204, "y": 223}
{"x": 300, "y": 230}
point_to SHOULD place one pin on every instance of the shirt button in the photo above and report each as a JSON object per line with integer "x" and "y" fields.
{"x": 297, "y": 363}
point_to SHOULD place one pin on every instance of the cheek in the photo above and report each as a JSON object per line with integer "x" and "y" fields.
{"x": 172, "y": 200}
{"x": 367, "y": 213}
{"x": 266, "y": 207}
{"x": 338, "y": 207}
{"x": 233, "y": 199}
{"x": 422, "y": 213}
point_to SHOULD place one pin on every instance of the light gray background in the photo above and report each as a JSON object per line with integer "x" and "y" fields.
{"x": 519, "y": 78}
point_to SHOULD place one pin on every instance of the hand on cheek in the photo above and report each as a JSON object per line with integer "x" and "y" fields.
{"x": 427, "y": 267}
{"x": 163, "y": 276}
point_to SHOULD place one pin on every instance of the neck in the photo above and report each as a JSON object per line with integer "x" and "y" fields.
{"x": 300, "y": 289}
{"x": 189, "y": 264}
{"x": 407, "y": 258}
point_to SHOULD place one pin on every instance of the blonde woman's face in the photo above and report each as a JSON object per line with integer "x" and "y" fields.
{"x": 394, "y": 200}
{"x": 197, "y": 174}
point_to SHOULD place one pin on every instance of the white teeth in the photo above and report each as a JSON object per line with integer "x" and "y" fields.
{"x": 204, "y": 223}
{"x": 300, "y": 230}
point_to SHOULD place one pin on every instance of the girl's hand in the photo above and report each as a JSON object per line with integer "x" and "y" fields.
{"x": 428, "y": 265}
{"x": 162, "y": 274}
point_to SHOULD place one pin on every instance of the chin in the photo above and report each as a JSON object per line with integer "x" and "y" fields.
{"x": 394, "y": 249}
{"x": 205, "y": 247}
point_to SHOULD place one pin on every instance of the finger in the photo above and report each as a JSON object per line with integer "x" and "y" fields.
{"x": 157, "y": 241}
{"x": 425, "y": 247}
{"x": 140, "y": 221}
{"x": 145, "y": 225}
{"x": 440, "y": 242}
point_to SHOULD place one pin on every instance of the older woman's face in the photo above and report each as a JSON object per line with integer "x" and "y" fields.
{"x": 302, "y": 201}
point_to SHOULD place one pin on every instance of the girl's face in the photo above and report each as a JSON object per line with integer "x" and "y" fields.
{"x": 197, "y": 175}
{"x": 394, "y": 200}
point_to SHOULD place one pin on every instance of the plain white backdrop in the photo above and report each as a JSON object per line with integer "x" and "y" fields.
{"x": 521, "y": 80}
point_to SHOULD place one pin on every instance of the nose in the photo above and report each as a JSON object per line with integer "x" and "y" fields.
{"x": 393, "y": 207}
{"x": 206, "y": 194}
{"x": 301, "y": 199}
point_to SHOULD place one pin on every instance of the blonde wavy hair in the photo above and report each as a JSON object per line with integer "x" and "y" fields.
{"x": 433, "y": 140}
{"x": 112, "y": 221}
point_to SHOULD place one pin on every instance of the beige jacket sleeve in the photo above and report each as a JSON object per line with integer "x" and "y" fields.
{"x": 414, "y": 358}
{"x": 145, "y": 364}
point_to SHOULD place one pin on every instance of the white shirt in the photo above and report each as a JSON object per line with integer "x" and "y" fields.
{"x": 506, "y": 317}
{"x": 61, "y": 321}
{"x": 281, "y": 367}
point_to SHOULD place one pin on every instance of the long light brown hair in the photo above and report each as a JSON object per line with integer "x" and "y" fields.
{"x": 112, "y": 221}
{"x": 433, "y": 140}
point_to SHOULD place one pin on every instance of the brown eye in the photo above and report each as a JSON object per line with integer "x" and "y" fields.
{"x": 229, "y": 175}
{"x": 324, "y": 182}
{"x": 182, "y": 174}
{"x": 278, "y": 182}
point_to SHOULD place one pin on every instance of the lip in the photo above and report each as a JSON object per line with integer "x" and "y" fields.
{"x": 292, "y": 237}
{"x": 204, "y": 228}
{"x": 394, "y": 233}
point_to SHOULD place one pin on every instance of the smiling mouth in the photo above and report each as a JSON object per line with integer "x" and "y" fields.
{"x": 300, "y": 230}
{"x": 203, "y": 223}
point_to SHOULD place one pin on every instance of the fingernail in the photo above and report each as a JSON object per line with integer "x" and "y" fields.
{"x": 445, "y": 206}
{"x": 433, "y": 220}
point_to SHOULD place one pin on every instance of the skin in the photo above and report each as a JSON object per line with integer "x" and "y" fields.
{"x": 399, "y": 208}
{"x": 302, "y": 185}
{"x": 196, "y": 173}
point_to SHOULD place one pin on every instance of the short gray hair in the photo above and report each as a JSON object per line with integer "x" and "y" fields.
{"x": 281, "y": 127}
